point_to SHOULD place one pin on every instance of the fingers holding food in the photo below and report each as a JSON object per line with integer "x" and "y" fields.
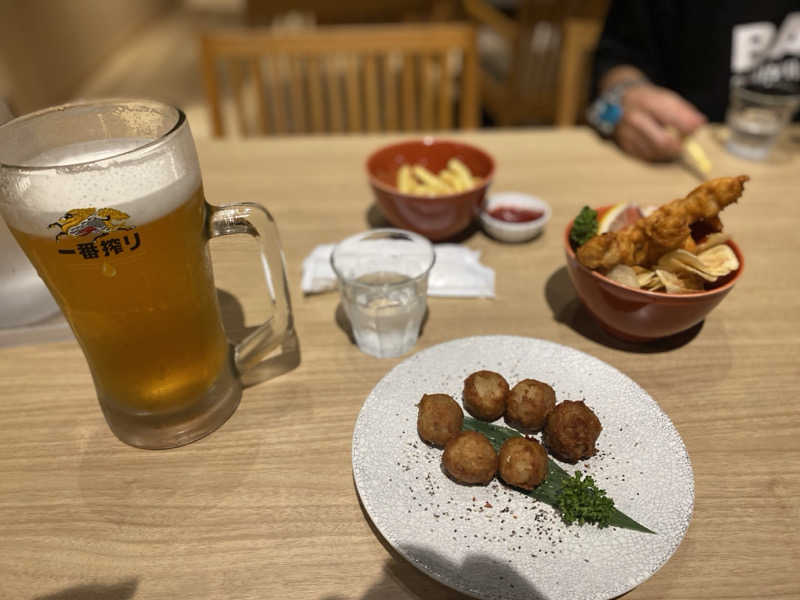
{"x": 641, "y": 135}
{"x": 485, "y": 394}
{"x": 654, "y": 122}
{"x": 439, "y": 419}
{"x": 572, "y": 430}
{"x": 522, "y": 462}
{"x": 470, "y": 458}
{"x": 529, "y": 403}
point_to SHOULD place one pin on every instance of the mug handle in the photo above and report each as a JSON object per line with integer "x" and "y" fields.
{"x": 250, "y": 355}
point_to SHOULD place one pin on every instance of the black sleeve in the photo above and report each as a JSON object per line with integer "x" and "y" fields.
{"x": 631, "y": 36}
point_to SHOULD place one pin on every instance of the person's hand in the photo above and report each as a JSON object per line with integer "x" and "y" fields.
{"x": 654, "y": 120}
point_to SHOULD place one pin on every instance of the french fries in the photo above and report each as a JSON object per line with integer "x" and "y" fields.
{"x": 416, "y": 179}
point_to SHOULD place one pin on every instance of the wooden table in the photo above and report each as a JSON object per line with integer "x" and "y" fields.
{"x": 266, "y": 506}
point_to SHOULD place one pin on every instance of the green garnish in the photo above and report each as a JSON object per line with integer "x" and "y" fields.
{"x": 582, "y": 501}
{"x": 584, "y": 227}
{"x": 551, "y": 490}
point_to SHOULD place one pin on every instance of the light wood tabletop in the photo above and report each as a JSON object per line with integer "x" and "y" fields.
{"x": 266, "y": 507}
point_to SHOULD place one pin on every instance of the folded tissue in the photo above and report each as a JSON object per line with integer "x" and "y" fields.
{"x": 456, "y": 273}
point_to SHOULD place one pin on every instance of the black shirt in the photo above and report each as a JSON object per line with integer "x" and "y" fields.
{"x": 699, "y": 47}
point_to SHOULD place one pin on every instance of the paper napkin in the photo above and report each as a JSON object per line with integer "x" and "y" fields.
{"x": 457, "y": 273}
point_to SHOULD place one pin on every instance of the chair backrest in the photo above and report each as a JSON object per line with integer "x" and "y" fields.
{"x": 342, "y": 79}
{"x": 522, "y": 56}
{"x": 340, "y": 12}
{"x": 580, "y": 39}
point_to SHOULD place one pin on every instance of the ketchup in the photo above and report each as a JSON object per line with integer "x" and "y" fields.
{"x": 514, "y": 214}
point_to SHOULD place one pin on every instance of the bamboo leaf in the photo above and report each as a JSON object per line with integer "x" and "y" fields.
{"x": 550, "y": 489}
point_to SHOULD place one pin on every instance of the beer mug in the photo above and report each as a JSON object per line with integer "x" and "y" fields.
{"x": 106, "y": 200}
{"x": 24, "y": 298}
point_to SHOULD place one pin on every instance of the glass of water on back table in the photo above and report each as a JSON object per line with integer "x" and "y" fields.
{"x": 383, "y": 280}
{"x": 757, "y": 116}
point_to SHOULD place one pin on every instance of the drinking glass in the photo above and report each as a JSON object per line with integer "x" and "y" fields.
{"x": 756, "y": 118}
{"x": 106, "y": 200}
{"x": 383, "y": 280}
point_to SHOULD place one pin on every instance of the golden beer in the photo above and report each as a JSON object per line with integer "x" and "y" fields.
{"x": 142, "y": 303}
{"x": 105, "y": 198}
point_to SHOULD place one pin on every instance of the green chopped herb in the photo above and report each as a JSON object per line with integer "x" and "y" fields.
{"x": 584, "y": 227}
{"x": 550, "y": 490}
{"x": 582, "y": 501}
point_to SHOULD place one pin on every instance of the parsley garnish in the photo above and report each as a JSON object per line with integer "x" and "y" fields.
{"x": 550, "y": 490}
{"x": 584, "y": 227}
{"x": 582, "y": 501}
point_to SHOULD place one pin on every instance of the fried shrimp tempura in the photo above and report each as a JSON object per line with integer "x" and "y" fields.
{"x": 666, "y": 229}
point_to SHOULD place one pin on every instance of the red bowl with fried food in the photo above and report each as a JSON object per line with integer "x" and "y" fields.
{"x": 639, "y": 315}
{"x": 436, "y": 217}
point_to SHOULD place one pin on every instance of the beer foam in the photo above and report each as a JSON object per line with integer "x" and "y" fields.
{"x": 146, "y": 184}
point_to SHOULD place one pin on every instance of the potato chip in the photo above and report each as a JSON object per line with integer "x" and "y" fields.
{"x": 648, "y": 280}
{"x": 681, "y": 261}
{"x": 623, "y": 274}
{"x": 691, "y": 281}
{"x": 675, "y": 284}
{"x": 719, "y": 259}
{"x": 713, "y": 239}
{"x": 678, "y": 259}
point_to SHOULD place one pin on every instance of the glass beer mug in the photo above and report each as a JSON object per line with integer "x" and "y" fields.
{"x": 24, "y": 298}
{"x": 106, "y": 200}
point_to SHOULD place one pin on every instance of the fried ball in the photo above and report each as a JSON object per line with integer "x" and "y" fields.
{"x": 439, "y": 418}
{"x": 523, "y": 462}
{"x": 571, "y": 431}
{"x": 485, "y": 394}
{"x": 470, "y": 458}
{"x": 529, "y": 403}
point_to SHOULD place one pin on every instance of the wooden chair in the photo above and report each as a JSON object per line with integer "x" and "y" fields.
{"x": 260, "y": 13}
{"x": 521, "y": 56}
{"x": 343, "y": 79}
{"x": 580, "y": 39}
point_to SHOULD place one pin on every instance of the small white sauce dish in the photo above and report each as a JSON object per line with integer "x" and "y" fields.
{"x": 507, "y": 231}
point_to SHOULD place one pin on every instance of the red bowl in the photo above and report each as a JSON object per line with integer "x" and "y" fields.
{"x": 439, "y": 217}
{"x": 639, "y": 315}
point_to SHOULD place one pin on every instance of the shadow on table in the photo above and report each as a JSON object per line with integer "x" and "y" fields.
{"x": 162, "y": 489}
{"x": 233, "y": 317}
{"x": 568, "y": 309}
{"x": 400, "y": 572}
{"x": 282, "y": 360}
{"x": 343, "y": 321}
{"x": 117, "y": 591}
{"x": 375, "y": 220}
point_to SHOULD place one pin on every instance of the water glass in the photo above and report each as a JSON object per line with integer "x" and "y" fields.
{"x": 383, "y": 280}
{"x": 756, "y": 118}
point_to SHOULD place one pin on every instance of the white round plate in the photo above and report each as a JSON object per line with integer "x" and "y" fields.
{"x": 493, "y": 542}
